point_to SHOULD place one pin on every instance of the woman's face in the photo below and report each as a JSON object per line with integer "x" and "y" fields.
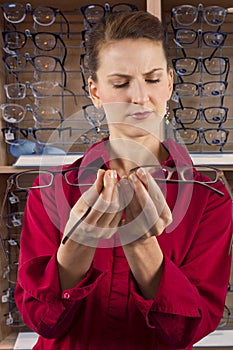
{"x": 132, "y": 74}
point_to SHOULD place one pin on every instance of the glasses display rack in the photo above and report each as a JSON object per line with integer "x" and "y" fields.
{"x": 199, "y": 41}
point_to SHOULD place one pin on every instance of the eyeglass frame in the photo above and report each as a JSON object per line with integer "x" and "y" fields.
{"x": 106, "y": 8}
{"x": 30, "y": 59}
{"x": 29, "y": 9}
{"x": 28, "y": 85}
{"x": 202, "y": 131}
{"x": 199, "y": 87}
{"x": 198, "y": 33}
{"x": 202, "y": 60}
{"x": 27, "y": 34}
{"x": 25, "y": 109}
{"x": 26, "y": 132}
{"x": 198, "y": 9}
{"x": 198, "y": 112}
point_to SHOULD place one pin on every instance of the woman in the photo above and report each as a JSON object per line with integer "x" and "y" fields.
{"x": 148, "y": 267}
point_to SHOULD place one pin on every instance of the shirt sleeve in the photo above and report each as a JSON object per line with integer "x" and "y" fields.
{"x": 38, "y": 287}
{"x": 190, "y": 300}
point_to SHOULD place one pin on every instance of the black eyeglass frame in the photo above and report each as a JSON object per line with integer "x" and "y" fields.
{"x": 198, "y": 112}
{"x": 27, "y": 34}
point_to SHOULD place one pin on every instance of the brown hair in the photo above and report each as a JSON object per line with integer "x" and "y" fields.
{"x": 122, "y": 25}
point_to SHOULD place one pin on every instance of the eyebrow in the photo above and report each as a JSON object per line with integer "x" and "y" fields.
{"x": 154, "y": 70}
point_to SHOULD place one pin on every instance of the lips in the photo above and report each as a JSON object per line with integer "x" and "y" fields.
{"x": 140, "y": 116}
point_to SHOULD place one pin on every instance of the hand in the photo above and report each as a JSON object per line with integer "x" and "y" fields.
{"x": 146, "y": 210}
{"x": 105, "y": 214}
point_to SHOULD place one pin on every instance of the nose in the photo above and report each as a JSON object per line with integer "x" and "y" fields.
{"x": 139, "y": 93}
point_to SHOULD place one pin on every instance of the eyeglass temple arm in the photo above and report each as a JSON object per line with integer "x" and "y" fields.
{"x": 67, "y": 22}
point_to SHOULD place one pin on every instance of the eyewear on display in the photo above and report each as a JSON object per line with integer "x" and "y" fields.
{"x": 45, "y": 41}
{"x": 190, "y": 136}
{"x": 85, "y": 73}
{"x": 15, "y": 219}
{"x": 11, "y": 248}
{"x": 95, "y": 12}
{"x": 42, "y": 15}
{"x": 44, "y": 136}
{"x": 212, "y": 88}
{"x": 14, "y": 113}
{"x": 93, "y": 135}
{"x": 187, "y": 15}
{"x": 42, "y": 63}
{"x": 84, "y": 34}
{"x": 8, "y": 295}
{"x": 93, "y": 115}
{"x": 189, "y": 115}
{"x": 186, "y": 66}
{"x": 10, "y": 272}
{"x": 13, "y": 319}
{"x": 40, "y": 89}
{"x": 17, "y": 199}
{"x": 184, "y": 36}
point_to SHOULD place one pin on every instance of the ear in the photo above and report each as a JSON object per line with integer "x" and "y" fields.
{"x": 93, "y": 91}
{"x": 170, "y": 82}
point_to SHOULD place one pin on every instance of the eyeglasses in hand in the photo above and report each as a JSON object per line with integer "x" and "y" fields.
{"x": 42, "y": 15}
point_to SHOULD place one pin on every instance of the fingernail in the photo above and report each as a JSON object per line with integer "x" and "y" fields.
{"x": 133, "y": 177}
{"x": 113, "y": 174}
{"x": 141, "y": 172}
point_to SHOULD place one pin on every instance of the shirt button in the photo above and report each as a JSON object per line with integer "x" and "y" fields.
{"x": 66, "y": 295}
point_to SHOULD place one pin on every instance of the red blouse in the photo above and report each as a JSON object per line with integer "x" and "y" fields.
{"x": 106, "y": 310}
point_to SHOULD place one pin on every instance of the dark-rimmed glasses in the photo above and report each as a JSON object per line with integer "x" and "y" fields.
{"x": 186, "y": 66}
{"x": 15, "y": 113}
{"x": 187, "y": 15}
{"x": 45, "y": 41}
{"x": 93, "y": 13}
{"x": 186, "y": 36}
{"x": 42, "y": 63}
{"x": 44, "y": 136}
{"x": 212, "y": 88}
{"x": 189, "y": 115}
{"x": 212, "y": 137}
{"x": 42, "y": 15}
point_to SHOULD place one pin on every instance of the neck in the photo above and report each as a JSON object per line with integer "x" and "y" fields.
{"x": 126, "y": 154}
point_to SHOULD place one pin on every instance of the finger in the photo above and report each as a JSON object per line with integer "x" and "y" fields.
{"x": 156, "y": 214}
{"x": 155, "y": 193}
